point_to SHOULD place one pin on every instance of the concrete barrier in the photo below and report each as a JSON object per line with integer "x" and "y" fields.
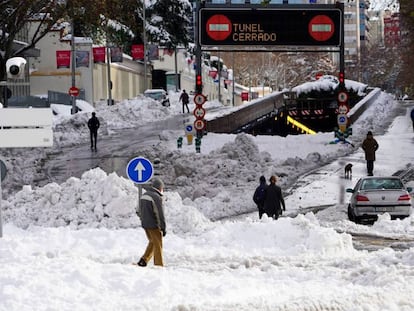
{"x": 363, "y": 105}
{"x": 245, "y": 114}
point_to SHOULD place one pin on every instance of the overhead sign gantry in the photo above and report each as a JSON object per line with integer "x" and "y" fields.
{"x": 273, "y": 27}
{"x": 270, "y": 27}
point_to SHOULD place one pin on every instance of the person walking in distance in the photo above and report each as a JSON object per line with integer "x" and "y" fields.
{"x": 151, "y": 213}
{"x": 412, "y": 117}
{"x": 93, "y": 125}
{"x": 184, "y": 99}
{"x": 259, "y": 195}
{"x": 370, "y": 146}
{"x": 274, "y": 201}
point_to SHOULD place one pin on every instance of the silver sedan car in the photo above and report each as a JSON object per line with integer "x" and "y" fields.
{"x": 372, "y": 196}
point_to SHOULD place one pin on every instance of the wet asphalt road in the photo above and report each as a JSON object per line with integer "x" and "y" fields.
{"x": 114, "y": 151}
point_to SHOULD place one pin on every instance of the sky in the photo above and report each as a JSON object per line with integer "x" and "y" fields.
{"x": 71, "y": 246}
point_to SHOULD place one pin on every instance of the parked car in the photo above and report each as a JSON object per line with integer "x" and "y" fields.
{"x": 159, "y": 95}
{"x": 373, "y": 196}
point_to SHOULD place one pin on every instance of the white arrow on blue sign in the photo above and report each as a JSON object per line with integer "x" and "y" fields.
{"x": 140, "y": 170}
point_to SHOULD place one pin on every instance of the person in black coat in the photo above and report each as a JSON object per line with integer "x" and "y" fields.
{"x": 185, "y": 100}
{"x": 412, "y": 117}
{"x": 93, "y": 125}
{"x": 259, "y": 196}
{"x": 274, "y": 201}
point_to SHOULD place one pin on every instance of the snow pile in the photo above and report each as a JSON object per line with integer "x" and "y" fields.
{"x": 96, "y": 200}
{"x": 330, "y": 83}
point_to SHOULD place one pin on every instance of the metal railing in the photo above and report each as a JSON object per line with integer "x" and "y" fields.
{"x": 63, "y": 98}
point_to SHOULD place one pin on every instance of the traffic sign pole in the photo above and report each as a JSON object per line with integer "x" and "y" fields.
{"x": 3, "y": 172}
{"x": 1, "y": 198}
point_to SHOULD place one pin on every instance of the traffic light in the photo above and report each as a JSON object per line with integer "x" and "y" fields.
{"x": 199, "y": 84}
{"x": 341, "y": 79}
{"x": 15, "y": 67}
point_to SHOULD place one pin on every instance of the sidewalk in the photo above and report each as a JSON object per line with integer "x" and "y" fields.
{"x": 326, "y": 186}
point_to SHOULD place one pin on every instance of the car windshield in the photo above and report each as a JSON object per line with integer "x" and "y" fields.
{"x": 155, "y": 95}
{"x": 381, "y": 183}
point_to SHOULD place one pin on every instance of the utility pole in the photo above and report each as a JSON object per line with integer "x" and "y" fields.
{"x": 175, "y": 67}
{"x": 144, "y": 37}
{"x": 73, "y": 61}
{"x": 108, "y": 68}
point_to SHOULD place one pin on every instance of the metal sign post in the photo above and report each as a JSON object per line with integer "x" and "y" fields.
{"x": 3, "y": 171}
{"x": 1, "y": 198}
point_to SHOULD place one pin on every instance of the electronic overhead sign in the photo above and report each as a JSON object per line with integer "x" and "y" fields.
{"x": 267, "y": 27}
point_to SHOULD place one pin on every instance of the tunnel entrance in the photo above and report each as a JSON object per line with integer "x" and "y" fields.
{"x": 300, "y": 116}
{"x": 280, "y": 125}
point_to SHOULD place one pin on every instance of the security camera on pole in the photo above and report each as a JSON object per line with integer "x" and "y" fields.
{"x": 15, "y": 68}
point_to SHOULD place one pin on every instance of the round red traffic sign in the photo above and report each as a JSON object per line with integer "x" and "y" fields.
{"x": 342, "y": 97}
{"x": 199, "y": 112}
{"x": 199, "y": 125}
{"x": 321, "y": 28}
{"x": 343, "y": 109}
{"x": 318, "y": 75}
{"x": 219, "y": 27}
{"x": 74, "y": 91}
{"x": 199, "y": 99}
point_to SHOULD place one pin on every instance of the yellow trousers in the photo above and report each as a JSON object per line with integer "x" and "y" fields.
{"x": 154, "y": 247}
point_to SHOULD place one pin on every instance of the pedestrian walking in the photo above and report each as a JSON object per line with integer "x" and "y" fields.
{"x": 151, "y": 213}
{"x": 259, "y": 195}
{"x": 412, "y": 117}
{"x": 274, "y": 201}
{"x": 184, "y": 99}
{"x": 370, "y": 146}
{"x": 93, "y": 125}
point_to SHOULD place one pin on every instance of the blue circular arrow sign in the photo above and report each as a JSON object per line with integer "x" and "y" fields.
{"x": 139, "y": 170}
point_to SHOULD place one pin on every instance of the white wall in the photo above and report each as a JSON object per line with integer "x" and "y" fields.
{"x": 126, "y": 77}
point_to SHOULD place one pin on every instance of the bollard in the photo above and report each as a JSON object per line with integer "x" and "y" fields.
{"x": 190, "y": 139}
{"x": 179, "y": 142}
{"x": 198, "y": 145}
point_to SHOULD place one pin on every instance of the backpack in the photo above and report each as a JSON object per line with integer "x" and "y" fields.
{"x": 259, "y": 195}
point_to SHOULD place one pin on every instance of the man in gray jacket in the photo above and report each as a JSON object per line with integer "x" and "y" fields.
{"x": 151, "y": 212}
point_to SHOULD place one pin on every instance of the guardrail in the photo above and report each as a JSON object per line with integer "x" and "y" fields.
{"x": 248, "y": 113}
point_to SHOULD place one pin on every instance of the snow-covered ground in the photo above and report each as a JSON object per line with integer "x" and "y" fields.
{"x": 70, "y": 246}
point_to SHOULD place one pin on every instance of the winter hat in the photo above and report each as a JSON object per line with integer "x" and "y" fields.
{"x": 157, "y": 183}
{"x": 369, "y": 133}
{"x": 262, "y": 179}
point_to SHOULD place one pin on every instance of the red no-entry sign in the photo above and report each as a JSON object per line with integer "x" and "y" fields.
{"x": 218, "y": 27}
{"x": 74, "y": 91}
{"x": 321, "y": 28}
